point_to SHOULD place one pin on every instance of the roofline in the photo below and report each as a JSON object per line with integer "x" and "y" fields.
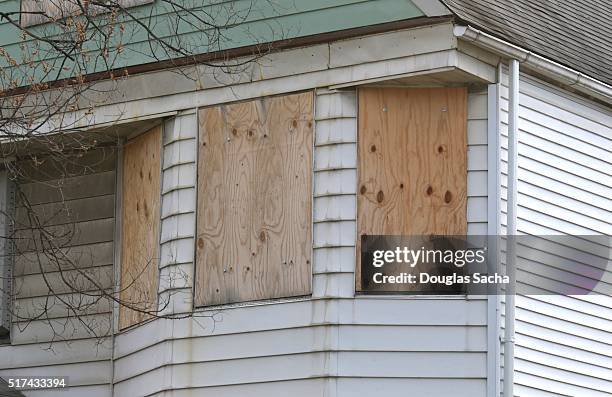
{"x": 258, "y": 49}
{"x": 553, "y": 70}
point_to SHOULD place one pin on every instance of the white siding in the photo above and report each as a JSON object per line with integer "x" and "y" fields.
{"x": 477, "y": 163}
{"x": 176, "y": 262}
{"x": 335, "y": 204}
{"x": 324, "y": 341}
{"x": 332, "y": 344}
{"x": 387, "y": 358}
{"x": 177, "y": 239}
{"x": 564, "y": 187}
{"x": 59, "y": 343}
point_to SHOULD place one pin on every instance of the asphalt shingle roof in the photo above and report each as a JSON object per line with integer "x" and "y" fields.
{"x": 576, "y": 33}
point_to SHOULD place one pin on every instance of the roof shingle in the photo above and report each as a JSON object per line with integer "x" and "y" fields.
{"x": 577, "y": 34}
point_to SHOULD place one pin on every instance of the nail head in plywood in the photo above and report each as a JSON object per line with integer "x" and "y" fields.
{"x": 415, "y": 182}
{"x": 140, "y": 223}
{"x": 254, "y": 200}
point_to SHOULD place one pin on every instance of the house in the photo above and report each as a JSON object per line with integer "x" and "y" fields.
{"x": 210, "y": 236}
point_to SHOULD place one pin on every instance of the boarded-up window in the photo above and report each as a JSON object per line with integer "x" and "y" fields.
{"x": 140, "y": 227}
{"x": 34, "y": 12}
{"x": 412, "y": 162}
{"x": 254, "y": 200}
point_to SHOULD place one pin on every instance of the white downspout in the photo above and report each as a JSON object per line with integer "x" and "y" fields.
{"x": 494, "y": 336}
{"x": 513, "y": 107}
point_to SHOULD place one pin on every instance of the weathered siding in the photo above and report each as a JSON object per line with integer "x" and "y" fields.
{"x": 241, "y": 22}
{"x": 176, "y": 262}
{"x": 341, "y": 62}
{"x": 564, "y": 187}
{"x": 388, "y": 358}
{"x": 311, "y": 343}
{"x": 334, "y": 194}
{"x": 477, "y": 163}
{"x": 60, "y": 344}
{"x": 333, "y": 343}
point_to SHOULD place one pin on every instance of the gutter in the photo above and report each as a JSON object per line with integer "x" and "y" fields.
{"x": 544, "y": 66}
{"x": 556, "y": 72}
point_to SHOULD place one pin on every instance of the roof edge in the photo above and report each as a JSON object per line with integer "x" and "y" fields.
{"x": 559, "y": 73}
{"x": 255, "y": 50}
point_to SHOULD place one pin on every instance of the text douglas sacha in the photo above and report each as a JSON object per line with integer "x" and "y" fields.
{"x": 426, "y": 278}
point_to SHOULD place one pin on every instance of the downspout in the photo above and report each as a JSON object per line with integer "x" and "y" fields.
{"x": 513, "y": 108}
{"x": 493, "y": 231}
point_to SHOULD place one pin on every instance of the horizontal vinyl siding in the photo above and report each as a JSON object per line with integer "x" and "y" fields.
{"x": 477, "y": 163}
{"x": 333, "y": 344}
{"x": 390, "y": 355}
{"x": 295, "y": 341}
{"x": 176, "y": 262}
{"x": 564, "y": 187}
{"x": 178, "y": 214}
{"x": 334, "y": 204}
{"x": 60, "y": 344}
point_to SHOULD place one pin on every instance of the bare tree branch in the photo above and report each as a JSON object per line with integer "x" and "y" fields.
{"x": 44, "y": 81}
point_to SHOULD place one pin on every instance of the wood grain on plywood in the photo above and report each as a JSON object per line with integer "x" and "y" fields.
{"x": 254, "y": 200}
{"x": 140, "y": 226}
{"x": 412, "y": 162}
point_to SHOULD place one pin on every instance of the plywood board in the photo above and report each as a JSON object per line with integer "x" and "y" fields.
{"x": 412, "y": 162}
{"x": 254, "y": 200}
{"x": 140, "y": 226}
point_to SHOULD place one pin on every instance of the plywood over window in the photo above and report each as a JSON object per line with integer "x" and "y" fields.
{"x": 412, "y": 162}
{"x": 140, "y": 227}
{"x": 254, "y": 200}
